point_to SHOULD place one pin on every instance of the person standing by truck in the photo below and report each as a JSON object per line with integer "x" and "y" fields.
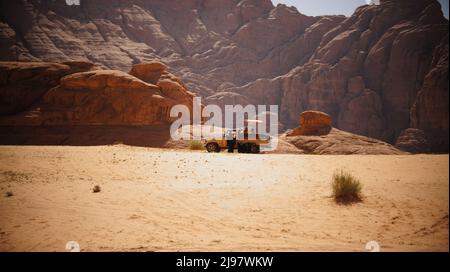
{"x": 230, "y": 141}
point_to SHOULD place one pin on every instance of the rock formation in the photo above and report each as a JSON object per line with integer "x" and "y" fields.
{"x": 209, "y": 43}
{"x": 156, "y": 73}
{"x": 383, "y": 70}
{"x": 313, "y": 123}
{"x": 104, "y": 97}
{"x": 430, "y": 109}
{"x": 316, "y": 136}
{"x": 413, "y": 140}
{"x": 96, "y": 97}
{"x": 338, "y": 142}
{"x": 376, "y": 73}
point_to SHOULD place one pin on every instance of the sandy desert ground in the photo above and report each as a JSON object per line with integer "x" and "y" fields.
{"x": 169, "y": 200}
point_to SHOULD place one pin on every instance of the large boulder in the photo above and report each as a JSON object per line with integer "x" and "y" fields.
{"x": 413, "y": 140}
{"x": 209, "y": 41}
{"x": 313, "y": 123}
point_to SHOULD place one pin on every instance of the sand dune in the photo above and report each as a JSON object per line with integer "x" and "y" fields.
{"x": 168, "y": 200}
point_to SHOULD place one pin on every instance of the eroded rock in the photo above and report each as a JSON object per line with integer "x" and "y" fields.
{"x": 313, "y": 123}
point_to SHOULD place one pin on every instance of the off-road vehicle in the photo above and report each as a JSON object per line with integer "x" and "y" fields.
{"x": 243, "y": 140}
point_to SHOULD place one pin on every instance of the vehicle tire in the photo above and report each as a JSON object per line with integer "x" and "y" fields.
{"x": 248, "y": 148}
{"x": 212, "y": 147}
{"x": 243, "y": 148}
{"x": 239, "y": 147}
{"x": 254, "y": 148}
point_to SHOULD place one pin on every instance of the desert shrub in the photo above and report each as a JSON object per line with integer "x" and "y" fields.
{"x": 346, "y": 187}
{"x": 9, "y": 194}
{"x": 96, "y": 189}
{"x": 196, "y": 145}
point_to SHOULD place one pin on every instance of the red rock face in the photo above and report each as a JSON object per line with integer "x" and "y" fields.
{"x": 209, "y": 43}
{"x": 430, "y": 110}
{"x": 96, "y": 97}
{"x": 313, "y": 123}
{"x": 156, "y": 73}
{"x": 376, "y": 73}
{"x": 104, "y": 97}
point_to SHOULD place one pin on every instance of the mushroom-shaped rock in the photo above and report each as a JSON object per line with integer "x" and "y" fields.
{"x": 313, "y": 123}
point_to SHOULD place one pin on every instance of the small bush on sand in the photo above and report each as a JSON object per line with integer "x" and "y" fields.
{"x": 9, "y": 194}
{"x": 96, "y": 189}
{"x": 346, "y": 188}
{"x": 196, "y": 145}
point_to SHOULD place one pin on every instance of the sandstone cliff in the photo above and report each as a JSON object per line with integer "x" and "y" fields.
{"x": 379, "y": 72}
{"x": 210, "y": 44}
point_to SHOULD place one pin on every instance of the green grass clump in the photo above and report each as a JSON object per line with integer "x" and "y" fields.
{"x": 346, "y": 188}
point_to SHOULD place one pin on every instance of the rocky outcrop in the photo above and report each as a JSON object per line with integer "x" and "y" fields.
{"x": 413, "y": 140}
{"x": 430, "y": 110}
{"x": 156, "y": 73}
{"x": 313, "y": 123}
{"x": 338, "y": 142}
{"x": 379, "y": 72}
{"x": 105, "y": 97}
{"x": 23, "y": 83}
{"x": 149, "y": 72}
{"x": 208, "y": 43}
{"x": 100, "y": 97}
{"x": 315, "y": 135}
